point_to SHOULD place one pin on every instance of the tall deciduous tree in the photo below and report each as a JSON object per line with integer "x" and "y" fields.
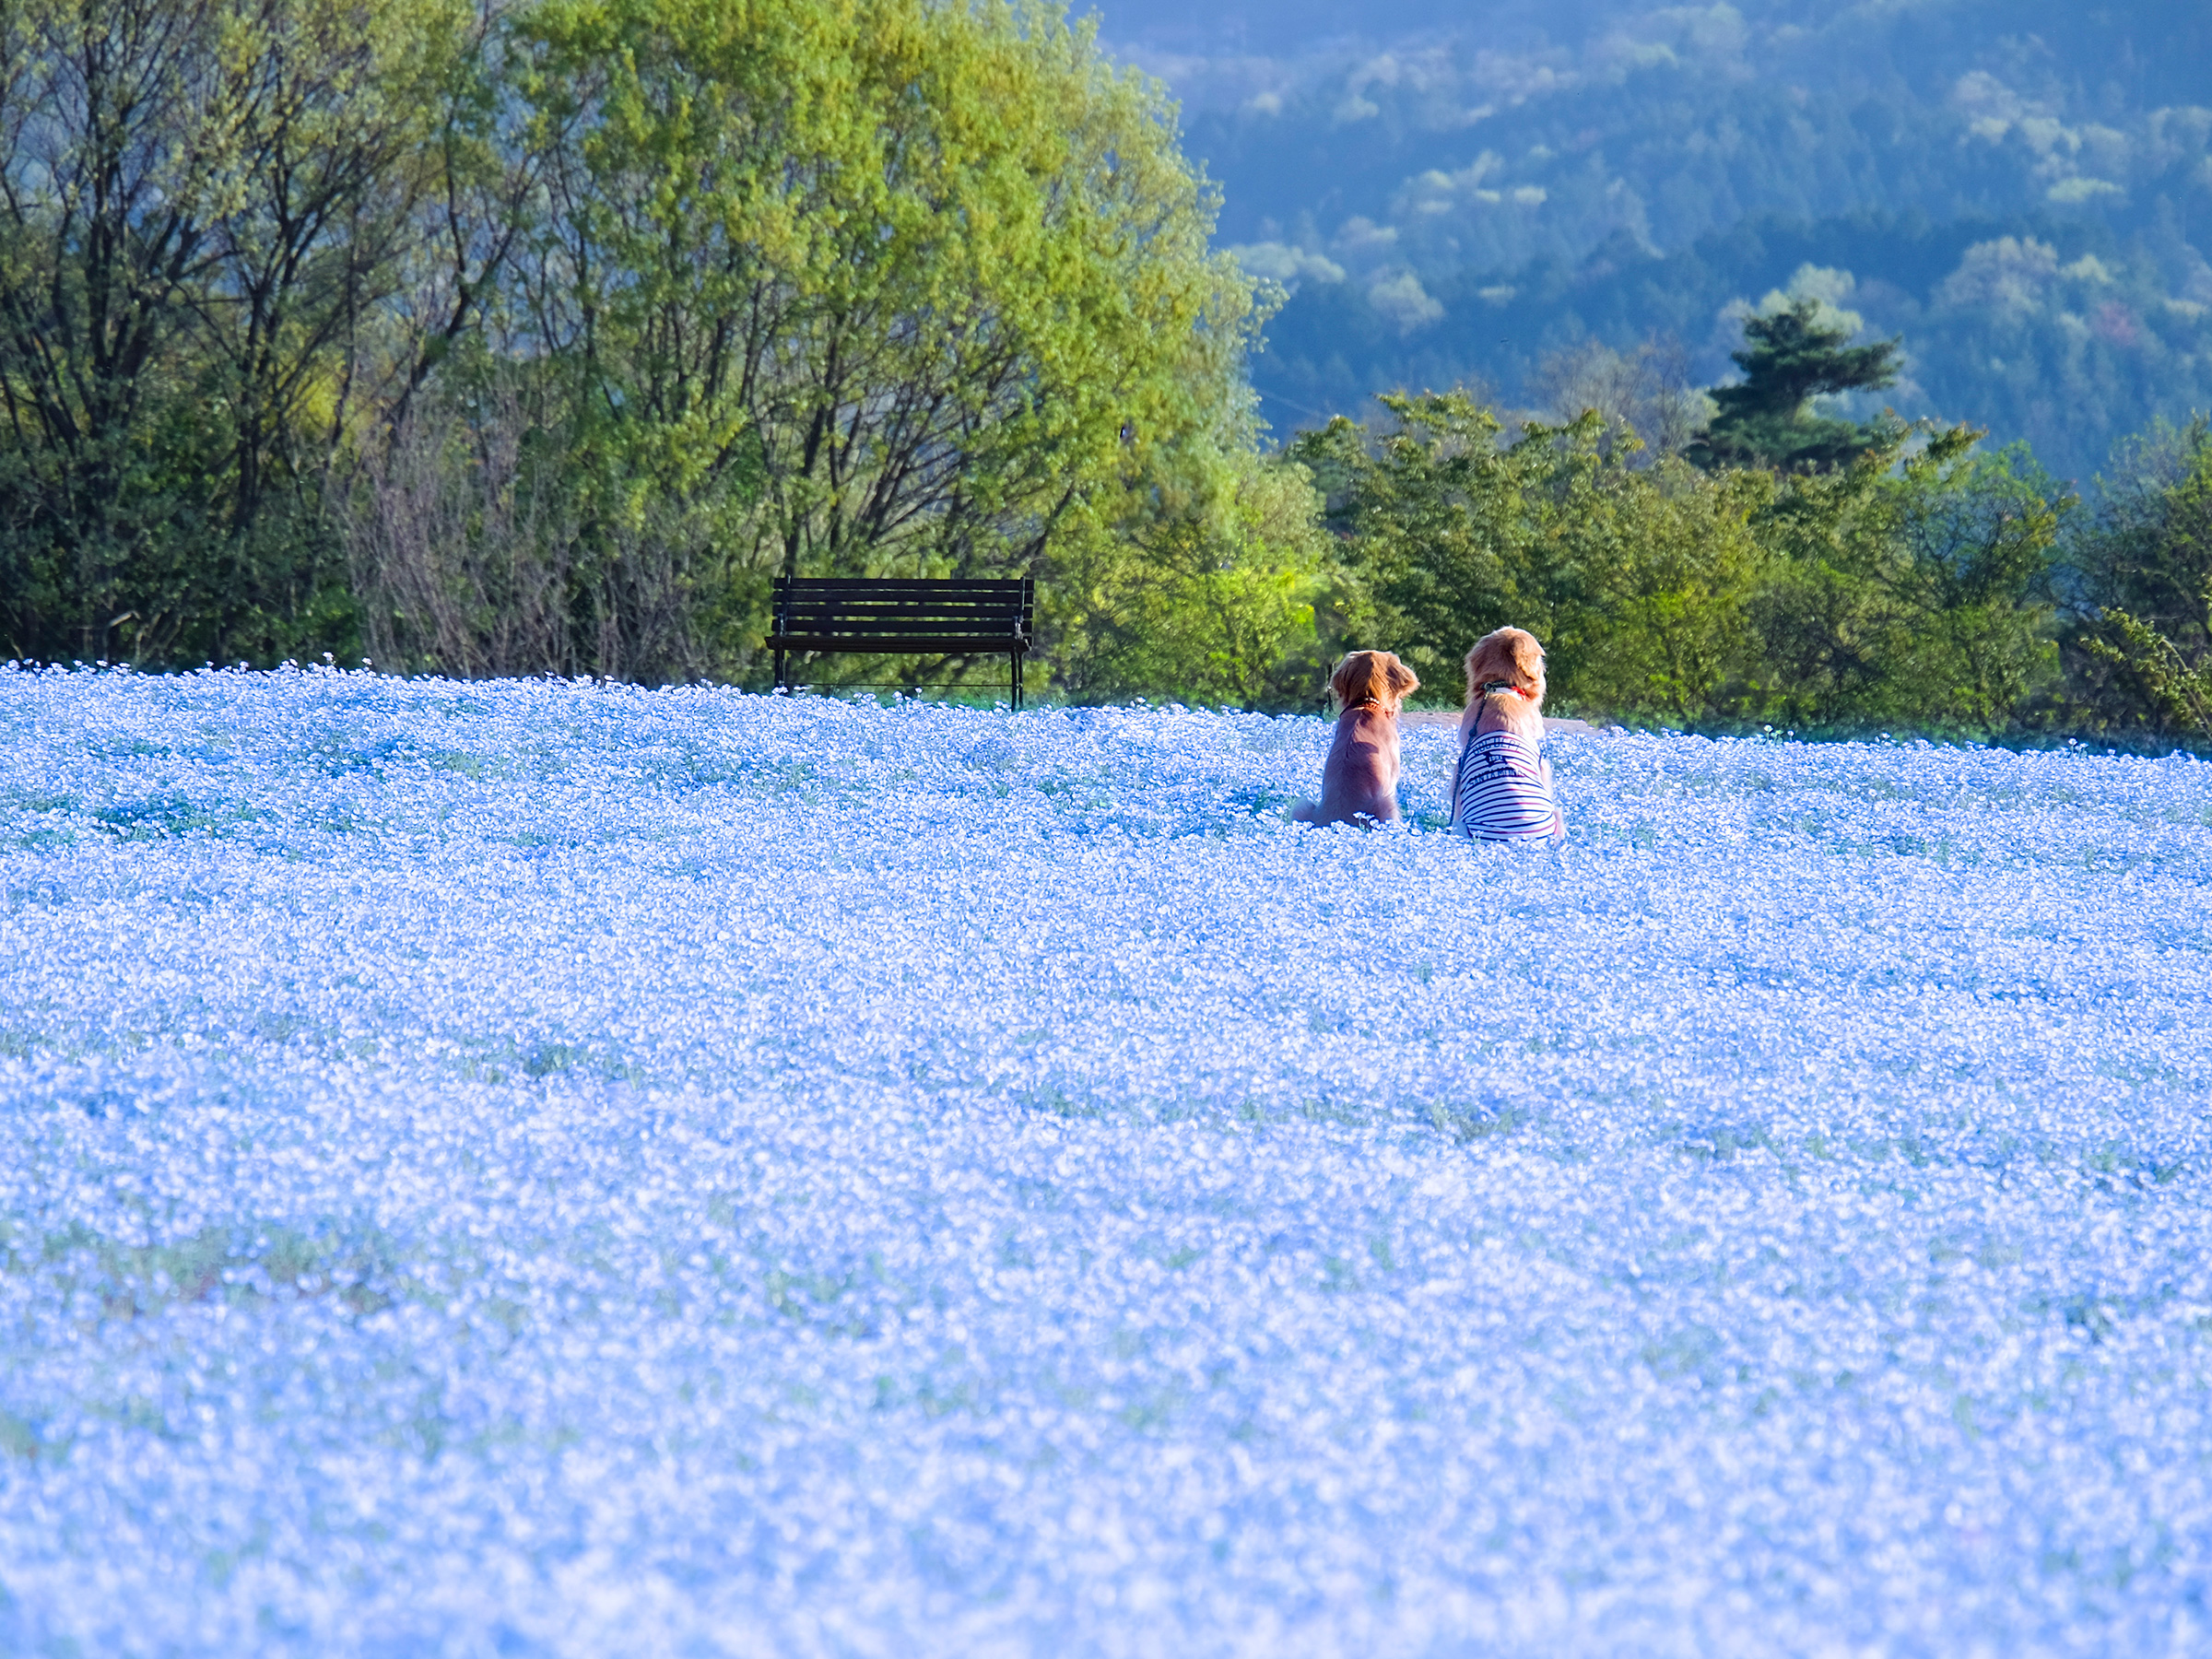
{"x": 1638, "y": 578}
{"x": 1234, "y": 596}
{"x": 107, "y": 129}
{"x": 1912, "y": 592}
{"x": 861, "y": 284}
{"x": 1646, "y": 394}
{"x": 200, "y": 200}
{"x": 811, "y": 286}
{"x": 1458, "y": 533}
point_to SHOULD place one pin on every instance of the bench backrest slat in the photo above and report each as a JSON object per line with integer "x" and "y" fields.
{"x": 861, "y": 607}
{"x": 917, "y": 585}
{"x": 864, "y": 602}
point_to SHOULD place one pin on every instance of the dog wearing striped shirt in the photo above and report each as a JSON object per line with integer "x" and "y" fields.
{"x": 1360, "y": 780}
{"x": 1502, "y": 790}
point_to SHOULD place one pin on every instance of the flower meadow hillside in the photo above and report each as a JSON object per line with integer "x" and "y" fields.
{"x": 535, "y": 1168}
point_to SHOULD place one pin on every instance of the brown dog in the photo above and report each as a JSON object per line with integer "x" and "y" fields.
{"x": 1360, "y": 780}
{"x": 1501, "y": 789}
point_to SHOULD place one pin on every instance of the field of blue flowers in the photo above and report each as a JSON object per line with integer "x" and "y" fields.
{"x": 534, "y": 1168}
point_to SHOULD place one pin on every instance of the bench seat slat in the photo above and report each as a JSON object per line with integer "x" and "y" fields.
{"x": 860, "y": 609}
{"x": 1009, "y": 639}
{"x": 859, "y": 597}
{"x": 903, "y": 625}
{"x": 998, "y": 617}
{"x": 921, "y": 601}
{"x": 960, "y": 606}
{"x": 868, "y": 613}
{"x": 911, "y": 600}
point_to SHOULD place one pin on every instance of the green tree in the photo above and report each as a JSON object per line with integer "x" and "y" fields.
{"x": 1913, "y": 591}
{"x": 2177, "y": 688}
{"x": 200, "y": 201}
{"x": 1453, "y": 532}
{"x": 1237, "y": 599}
{"x": 1967, "y": 556}
{"x": 1898, "y": 591}
{"x": 1790, "y": 357}
{"x": 1676, "y": 562}
{"x": 1636, "y": 578}
{"x": 853, "y": 287}
{"x": 2134, "y": 581}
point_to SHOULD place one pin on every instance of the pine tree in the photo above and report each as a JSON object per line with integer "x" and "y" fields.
{"x": 1788, "y": 360}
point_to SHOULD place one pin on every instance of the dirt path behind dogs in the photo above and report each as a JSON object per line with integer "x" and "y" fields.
{"x": 1447, "y": 717}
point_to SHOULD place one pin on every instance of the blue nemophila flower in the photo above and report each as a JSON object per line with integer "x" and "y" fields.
{"x": 546, "y": 1168}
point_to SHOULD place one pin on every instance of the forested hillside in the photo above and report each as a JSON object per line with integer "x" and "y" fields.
{"x": 2020, "y": 188}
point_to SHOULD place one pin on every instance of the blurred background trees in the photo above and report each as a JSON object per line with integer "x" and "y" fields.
{"x": 1911, "y": 589}
{"x": 2138, "y": 584}
{"x": 509, "y": 338}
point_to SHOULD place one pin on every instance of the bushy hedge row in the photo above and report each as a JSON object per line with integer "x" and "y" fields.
{"x": 1927, "y": 587}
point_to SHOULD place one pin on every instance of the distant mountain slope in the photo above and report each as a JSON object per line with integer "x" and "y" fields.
{"x": 2021, "y": 188}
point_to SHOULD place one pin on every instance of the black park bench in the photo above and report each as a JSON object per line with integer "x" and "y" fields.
{"x": 941, "y": 618}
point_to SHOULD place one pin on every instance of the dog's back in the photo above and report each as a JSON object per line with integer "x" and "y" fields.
{"x": 1501, "y": 789}
{"x": 1360, "y": 777}
{"x": 1360, "y": 780}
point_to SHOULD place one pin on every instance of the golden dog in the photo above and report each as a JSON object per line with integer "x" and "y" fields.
{"x": 1501, "y": 788}
{"x": 1360, "y": 780}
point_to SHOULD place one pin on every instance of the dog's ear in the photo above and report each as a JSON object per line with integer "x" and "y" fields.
{"x": 1341, "y": 681}
{"x": 1481, "y": 664}
{"x": 1404, "y": 682}
{"x": 1528, "y": 661}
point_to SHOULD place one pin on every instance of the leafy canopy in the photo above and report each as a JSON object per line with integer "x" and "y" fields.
{"x": 1898, "y": 591}
{"x": 2142, "y": 587}
{"x": 890, "y": 279}
{"x": 202, "y": 201}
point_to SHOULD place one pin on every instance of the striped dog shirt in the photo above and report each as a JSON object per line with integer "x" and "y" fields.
{"x": 1500, "y": 793}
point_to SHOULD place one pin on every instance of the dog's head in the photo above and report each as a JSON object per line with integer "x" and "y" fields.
{"x": 1373, "y": 676}
{"x": 1505, "y": 675}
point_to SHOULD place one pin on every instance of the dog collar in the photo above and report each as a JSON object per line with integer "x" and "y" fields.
{"x": 1503, "y": 685}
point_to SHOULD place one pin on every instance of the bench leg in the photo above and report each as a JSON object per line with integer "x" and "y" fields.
{"x": 779, "y": 686}
{"x": 1016, "y": 682}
